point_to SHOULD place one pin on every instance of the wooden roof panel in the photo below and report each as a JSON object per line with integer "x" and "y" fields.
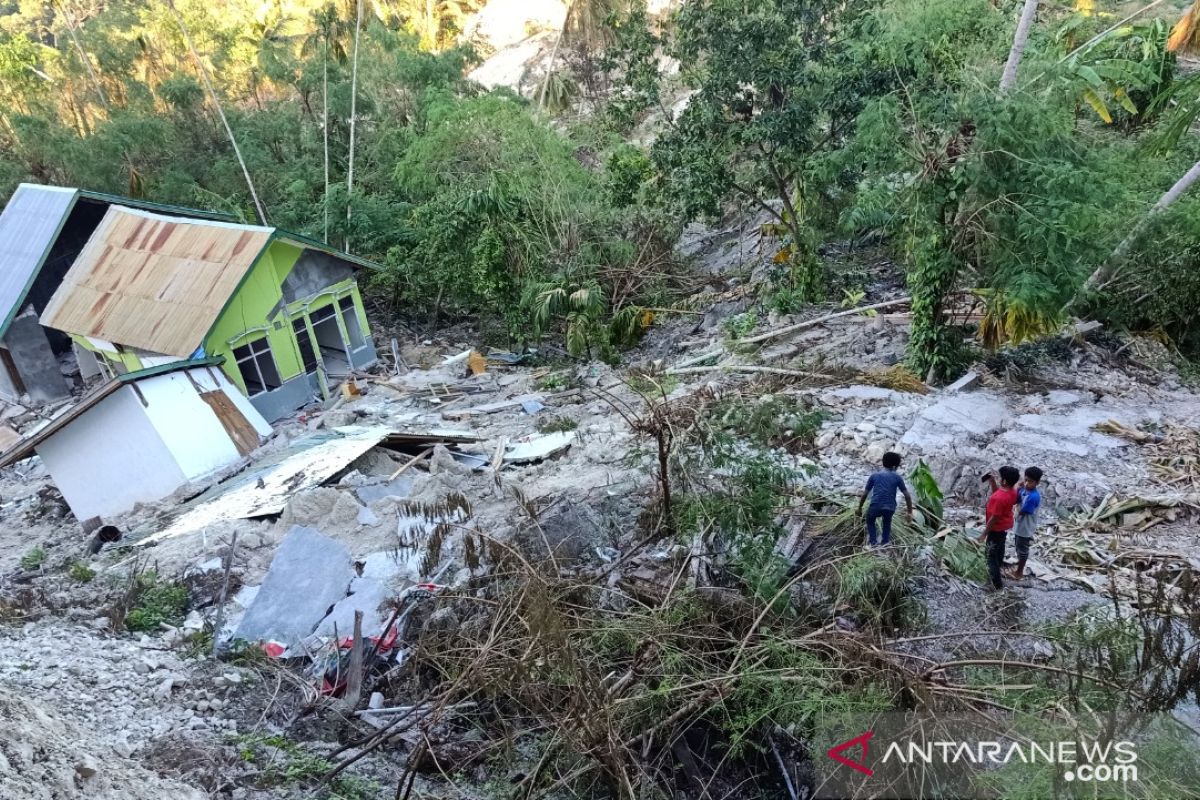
{"x": 153, "y": 282}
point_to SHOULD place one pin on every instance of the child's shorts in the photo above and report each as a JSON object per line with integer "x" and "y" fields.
{"x": 1022, "y": 543}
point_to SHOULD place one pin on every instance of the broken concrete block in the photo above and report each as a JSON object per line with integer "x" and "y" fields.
{"x": 400, "y": 487}
{"x": 387, "y": 567}
{"x": 572, "y": 532}
{"x": 968, "y": 381}
{"x": 367, "y": 517}
{"x": 309, "y": 575}
{"x": 366, "y": 595}
{"x": 310, "y": 507}
{"x": 539, "y": 448}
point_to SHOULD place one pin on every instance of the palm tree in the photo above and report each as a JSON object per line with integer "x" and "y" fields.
{"x": 353, "y": 112}
{"x": 203, "y": 70}
{"x": 328, "y": 36}
{"x": 586, "y": 25}
{"x": 1105, "y": 272}
{"x": 1020, "y": 39}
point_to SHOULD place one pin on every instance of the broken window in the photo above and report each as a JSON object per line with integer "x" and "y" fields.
{"x": 350, "y": 318}
{"x": 308, "y": 355}
{"x": 257, "y": 367}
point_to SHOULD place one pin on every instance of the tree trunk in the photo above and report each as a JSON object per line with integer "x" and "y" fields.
{"x": 1108, "y": 269}
{"x": 1020, "y": 39}
{"x": 353, "y": 113}
{"x": 187, "y": 37}
{"x": 325, "y": 129}
{"x": 70, "y": 20}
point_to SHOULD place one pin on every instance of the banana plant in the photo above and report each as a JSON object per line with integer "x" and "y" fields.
{"x": 1128, "y": 69}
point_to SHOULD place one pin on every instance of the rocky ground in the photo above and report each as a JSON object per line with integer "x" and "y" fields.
{"x": 86, "y": 711}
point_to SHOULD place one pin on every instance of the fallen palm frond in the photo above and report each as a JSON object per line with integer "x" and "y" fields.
{"x": 1175, "y": 459}
{"x": 897, "y": 378}
{"x": 1114, "y": 428}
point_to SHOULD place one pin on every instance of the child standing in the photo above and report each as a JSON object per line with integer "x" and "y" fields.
{"x": 999, "y": 521}
{"x": 882, "y": 487}
{"x": 1027, "y": 510}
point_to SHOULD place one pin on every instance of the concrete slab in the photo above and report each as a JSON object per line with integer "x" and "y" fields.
{"x": 1037, "y": 442}
{"x": 870, "y": 393}
{"x": 308, "y": 576}
{"x": 366, "y": 595}
{"x": 390, "y": 567}
{"x": 955, "y": 416}
{"x": 968, "y": 381}
{"x": 540, "y": 448}
{"x": 400, "y": 487}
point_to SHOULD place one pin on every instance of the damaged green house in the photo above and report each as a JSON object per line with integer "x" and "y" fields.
{"x": 284, "y": 311}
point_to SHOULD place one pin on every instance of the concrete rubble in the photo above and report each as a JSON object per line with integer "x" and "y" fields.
{"x": 333, "y": 521}
{"x": 309, "y": 575}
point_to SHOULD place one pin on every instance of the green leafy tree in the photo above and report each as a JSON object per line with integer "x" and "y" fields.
{"x": 776, "y": 93}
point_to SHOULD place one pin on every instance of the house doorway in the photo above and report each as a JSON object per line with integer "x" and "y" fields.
{"x": 335, "y": 352}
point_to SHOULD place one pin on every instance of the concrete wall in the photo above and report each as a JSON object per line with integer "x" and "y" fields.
{"x": 314, "y": 272}
{"x": 35, "y": 361}
{"x": 187, "y": 425}
{"x": 89, "y": 366}
{"x": 8, "y": 390}
{"x": 293, "y": 394}
{"x": 111, "y": 459}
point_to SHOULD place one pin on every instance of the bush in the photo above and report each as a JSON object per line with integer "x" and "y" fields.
{"x": 156, "y": 603}
{"x": 33, "y": 559}
{"x": 80, "y": 572}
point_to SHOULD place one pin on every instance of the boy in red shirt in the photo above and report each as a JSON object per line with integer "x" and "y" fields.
{"x": 999, "y": 521}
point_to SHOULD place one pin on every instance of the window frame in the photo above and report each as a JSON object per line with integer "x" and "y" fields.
{"x": 252, "y": 357}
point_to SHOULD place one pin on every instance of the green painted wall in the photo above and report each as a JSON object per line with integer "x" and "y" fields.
{"x": 249, "y": 316}
{"x": 256, "y": 312}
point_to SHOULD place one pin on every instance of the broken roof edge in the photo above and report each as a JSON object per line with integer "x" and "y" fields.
{"x": 185, "y": 220}
{"x": 307, "y": 243}
{"x": 152, "y": 206}
{"x": 25, "y": 448}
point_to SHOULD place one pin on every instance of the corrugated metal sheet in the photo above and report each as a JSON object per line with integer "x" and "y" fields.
{"x": 29, "y": 225}
{"x": 154, "y": 282}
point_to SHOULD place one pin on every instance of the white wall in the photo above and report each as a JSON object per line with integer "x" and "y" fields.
{"x": 110, "y": 459}
{"x": 187, "y": 425}
{"x": 89, "y": 367}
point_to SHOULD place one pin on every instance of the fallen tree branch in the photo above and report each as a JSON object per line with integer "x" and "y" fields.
{"x": 799, "y": 326}
{"x": 790, "y": 373}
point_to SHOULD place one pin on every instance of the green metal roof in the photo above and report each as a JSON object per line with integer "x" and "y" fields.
{"x": 174, "y": 366}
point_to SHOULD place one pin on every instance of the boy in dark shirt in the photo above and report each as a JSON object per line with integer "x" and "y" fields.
{"x": 882, "y": 487}
{"x": 999, "y": 521}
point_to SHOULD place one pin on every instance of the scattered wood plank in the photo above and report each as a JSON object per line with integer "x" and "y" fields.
{"x": 405, "y": 466}
{"x": 789, "y": 373}
{"x": 799, "y": 326}
{"x": 355, "y": 669}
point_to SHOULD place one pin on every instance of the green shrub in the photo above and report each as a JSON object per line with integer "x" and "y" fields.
{"x": 80, "y": 572}
{"x": 156, "y": 603}
{"x": 878, "y": 588}
{"x": 33, "y": 559}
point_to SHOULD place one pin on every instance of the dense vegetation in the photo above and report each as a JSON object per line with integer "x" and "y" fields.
{"x": 835, "y": 120}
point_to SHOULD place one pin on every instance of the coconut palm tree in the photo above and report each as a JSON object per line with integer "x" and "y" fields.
{"x": 328, "y": 37}
{"x": 1009, "y": 78}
